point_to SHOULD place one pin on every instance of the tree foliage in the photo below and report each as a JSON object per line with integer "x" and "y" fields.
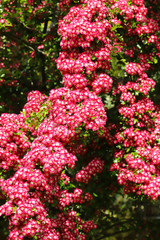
{"x": 91, "y": 71}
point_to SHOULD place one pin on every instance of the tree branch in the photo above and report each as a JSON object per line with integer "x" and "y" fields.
{"x": 112, "y": 234}
{"x": 23, "y": 26}
{"x": 15, "y": 38}
{"x": 45, "y": 26}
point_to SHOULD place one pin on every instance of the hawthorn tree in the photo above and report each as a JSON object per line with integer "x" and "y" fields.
{"x": 61, "y": 155}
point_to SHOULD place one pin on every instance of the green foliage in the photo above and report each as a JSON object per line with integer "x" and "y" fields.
{"x": 29, "y": 46}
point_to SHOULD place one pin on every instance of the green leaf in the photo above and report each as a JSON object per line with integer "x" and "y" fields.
{"x": 14, "y": 209}
{"x": 95, "y": 195}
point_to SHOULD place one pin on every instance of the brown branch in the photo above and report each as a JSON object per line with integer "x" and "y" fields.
{"x": 11, "y": 36}
{"x": 113, "y": 234}
{"x": 23, "y": 26}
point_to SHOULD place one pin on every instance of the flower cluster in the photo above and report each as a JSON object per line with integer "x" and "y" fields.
{"x": 94, "y": 167}
{"x": 51, "y": 124}
{"x": 74, "y": 108}
{"x": 82, "y": 29}
{"x": 136, "y": 156}
{"x": 38, "y": 165}
{"x": 102, "y": 83}
{"x": 137, "y": 164}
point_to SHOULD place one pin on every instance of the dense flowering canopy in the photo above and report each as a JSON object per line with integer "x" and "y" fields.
{"x": 107, "y": 47}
